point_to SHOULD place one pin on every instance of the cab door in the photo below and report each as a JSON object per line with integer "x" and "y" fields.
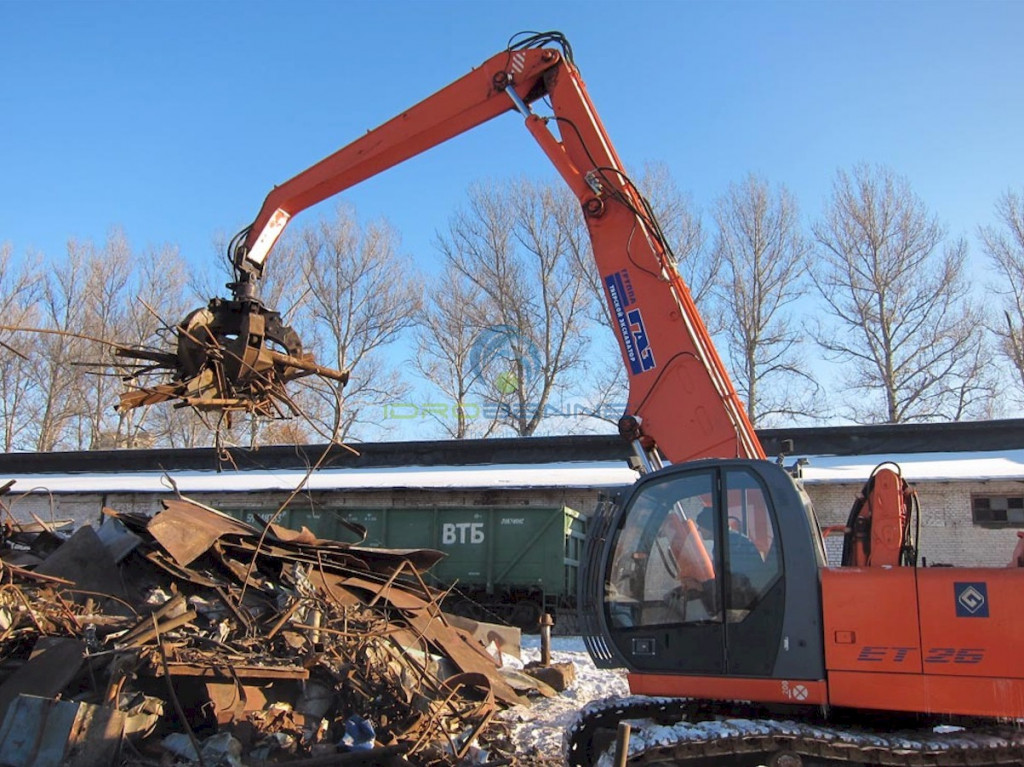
{"x": 659, "y": 615}
{"x": 754, "y": 589}
{"x": 712, "y": 570}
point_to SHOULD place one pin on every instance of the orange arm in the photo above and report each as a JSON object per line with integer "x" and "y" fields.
{"x": 681, "y": 400}
{"x": 468, "y": 102}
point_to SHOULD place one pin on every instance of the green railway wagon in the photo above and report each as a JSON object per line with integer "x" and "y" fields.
{"x": 511, "y": 563}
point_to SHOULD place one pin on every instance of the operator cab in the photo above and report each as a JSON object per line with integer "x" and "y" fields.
{"x": 709, "y": 568}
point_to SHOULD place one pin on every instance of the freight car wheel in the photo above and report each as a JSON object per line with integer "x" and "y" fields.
{"x": 465, "y": 607}
{"x": 526, "y": 615}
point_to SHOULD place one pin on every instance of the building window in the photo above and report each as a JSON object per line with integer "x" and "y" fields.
{"x": 998, "y": 510}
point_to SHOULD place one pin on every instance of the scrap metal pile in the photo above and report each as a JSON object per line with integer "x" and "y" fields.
{"x": 229, "y": 356}
{"x": 190, "y": 637}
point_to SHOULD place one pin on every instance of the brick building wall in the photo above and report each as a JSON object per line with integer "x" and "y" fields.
{"x": 948, "y": 532}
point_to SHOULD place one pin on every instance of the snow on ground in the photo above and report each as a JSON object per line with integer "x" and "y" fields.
{"x": 538, "y": 730}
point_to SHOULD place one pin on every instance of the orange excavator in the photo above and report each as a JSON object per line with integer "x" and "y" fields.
{"x": 708, "y": 579}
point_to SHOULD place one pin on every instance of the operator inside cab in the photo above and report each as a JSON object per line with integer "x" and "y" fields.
{"x": 748, "y": 572}
{"x": 669, "y": 564}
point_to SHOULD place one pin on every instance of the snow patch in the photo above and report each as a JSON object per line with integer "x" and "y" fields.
{"x": 538, "y": 730}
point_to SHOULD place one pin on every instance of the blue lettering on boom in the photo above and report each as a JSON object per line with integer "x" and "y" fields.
{"x": 631, "y": 324}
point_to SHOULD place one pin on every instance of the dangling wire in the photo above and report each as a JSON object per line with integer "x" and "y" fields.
{"x": 233, "y": 246}
{"x": 523, "y": 40}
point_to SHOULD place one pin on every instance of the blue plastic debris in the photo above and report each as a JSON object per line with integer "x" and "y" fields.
{"x": 359, "y": 734}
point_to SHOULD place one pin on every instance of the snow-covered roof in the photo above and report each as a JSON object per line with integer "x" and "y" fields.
{"x": 916, "y": 467}
{"x": 506, "y": 476}
{"x": 920, "y": 467}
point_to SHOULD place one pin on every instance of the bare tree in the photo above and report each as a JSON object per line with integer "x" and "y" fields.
{"x": 765, "y": 255}
{"x": 1004, "y": 246}
{"x": 98, "y": 298}
{"x": 18, "y": 295}
{"x": 58, "y": 381}
{"x": 159, "y": 299}
{"x": 516, "y": 245}
{"x": 903, "y": 327}
{"x": 179, "y": 428}
{"x": 105, "y": 305}
{"x": 445, "y": 341}
{"x": 681, "y": 224}
{"x": 363, "y": 295}
{"x": 60, "y": 384}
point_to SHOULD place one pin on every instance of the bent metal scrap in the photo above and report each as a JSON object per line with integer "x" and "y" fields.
{"x": 195, "y": 635}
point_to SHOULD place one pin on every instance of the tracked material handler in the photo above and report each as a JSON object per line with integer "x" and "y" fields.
{"x": 708, "y": 579}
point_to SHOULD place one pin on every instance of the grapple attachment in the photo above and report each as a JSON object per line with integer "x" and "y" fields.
{"x": 231, "y": 355}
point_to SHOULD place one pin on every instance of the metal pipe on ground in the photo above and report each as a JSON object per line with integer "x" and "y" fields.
{"x": 545, "y": 639}
{"x": 622, "y": 744}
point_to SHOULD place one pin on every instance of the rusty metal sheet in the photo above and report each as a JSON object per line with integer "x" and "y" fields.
{"x": 231, "y": 701}
{"x": 469, "y": 657}
{"x": 379, "y": 559}
{"x": 303, "y": 537}
{"x": 84, "y": 559}
{"x": 41, "y": 732}
{"x": 187, "y": 530}
{"x": 54, "y": 662}
{"x": 395, "y": 594}
{"x": 160, "y": 559}
{"x": 250, "y": 577}
{"x": 326, "y": 558}
{"x": 507, "y": 639}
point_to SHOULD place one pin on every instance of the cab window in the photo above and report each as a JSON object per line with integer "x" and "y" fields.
{"x": 662, "y": 569}
{"x": 752, "y": 557}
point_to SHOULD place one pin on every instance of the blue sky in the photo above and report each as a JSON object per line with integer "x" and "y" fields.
{"x": 173, "y": 120}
